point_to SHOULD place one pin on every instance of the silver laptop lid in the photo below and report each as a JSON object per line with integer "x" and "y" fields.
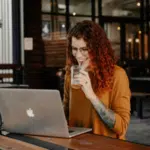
{"x": 33, "y": 111}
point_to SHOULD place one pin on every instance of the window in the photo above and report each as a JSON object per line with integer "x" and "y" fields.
{"x": 113, "y": 33}
{"x": 80, "y": 7}
{"x": 57, "y": 6}
{"x": 6, "y": 56}
{"x": 96, "y": 7}
{"x": 46, "y": 5}
{"x": 133, "y": 47}
{"x": 46, "y": 27}
{"x": 122, "y": 8}
{"x": 5, "y": 32}
{"x": 53, "y": 27}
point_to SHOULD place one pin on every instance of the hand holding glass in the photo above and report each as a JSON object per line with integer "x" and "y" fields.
{"x": 74, "y": 71}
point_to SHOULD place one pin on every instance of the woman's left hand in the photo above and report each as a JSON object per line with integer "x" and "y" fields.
{"x": 85, "y": 82}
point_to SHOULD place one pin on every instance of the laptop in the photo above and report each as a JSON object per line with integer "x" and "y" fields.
{"x": 35, "y": 112}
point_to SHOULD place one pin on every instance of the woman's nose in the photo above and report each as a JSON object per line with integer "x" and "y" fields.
{"x": 78, "y": 54}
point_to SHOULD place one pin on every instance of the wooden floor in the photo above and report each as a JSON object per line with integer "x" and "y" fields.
{"x": 139, "y": 129}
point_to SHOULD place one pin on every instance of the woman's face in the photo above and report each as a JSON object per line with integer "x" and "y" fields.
{"x": 80, "y": 50}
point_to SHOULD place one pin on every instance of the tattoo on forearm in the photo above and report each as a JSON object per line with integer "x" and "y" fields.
{"x": 107, "y": 115}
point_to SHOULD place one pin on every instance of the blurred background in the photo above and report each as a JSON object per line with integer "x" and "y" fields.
{"x": 33, "y": 35}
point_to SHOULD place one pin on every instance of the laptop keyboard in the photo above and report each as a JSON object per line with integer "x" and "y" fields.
{"x": 70, "y": 131}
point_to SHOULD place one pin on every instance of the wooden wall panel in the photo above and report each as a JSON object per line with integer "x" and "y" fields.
{"x": 55, "y": 53}
{"x": 34, "y": 60}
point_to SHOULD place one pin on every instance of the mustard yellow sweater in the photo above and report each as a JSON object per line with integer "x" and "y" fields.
{"x": 80, "y": 112}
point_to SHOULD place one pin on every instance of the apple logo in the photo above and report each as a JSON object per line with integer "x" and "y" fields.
{"x": 30, "y": 112}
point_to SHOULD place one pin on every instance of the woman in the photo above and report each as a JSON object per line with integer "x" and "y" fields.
{"x": 103, "y": 101}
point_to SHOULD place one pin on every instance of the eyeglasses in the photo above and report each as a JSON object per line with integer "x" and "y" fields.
{"x": 83, "y": 50}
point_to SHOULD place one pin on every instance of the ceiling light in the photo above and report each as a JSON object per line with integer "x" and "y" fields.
{"x": 118, "y": 28}
{"x": 74, "y": 13}
{"x": 139, "y": 31}
{"x": 63, "y": 25}
{"x": 138, "y": 4}
{"x": 137, "y": 40}
{"x": 129, "y": 40}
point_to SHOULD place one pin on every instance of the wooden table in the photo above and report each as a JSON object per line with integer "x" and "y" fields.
{"x": 12, "y": 144}
{"x": 139, "y": 101}
{"x": 82, "y": 142}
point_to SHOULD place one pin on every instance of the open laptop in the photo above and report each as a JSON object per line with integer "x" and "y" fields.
{"x": 35, "y": 112}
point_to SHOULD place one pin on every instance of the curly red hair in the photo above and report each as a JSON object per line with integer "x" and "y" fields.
{"x": 100, "y": 52}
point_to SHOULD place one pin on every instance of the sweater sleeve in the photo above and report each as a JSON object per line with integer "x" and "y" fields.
{"x": 66, "y": 96}
{"x": 121, "y": 102}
